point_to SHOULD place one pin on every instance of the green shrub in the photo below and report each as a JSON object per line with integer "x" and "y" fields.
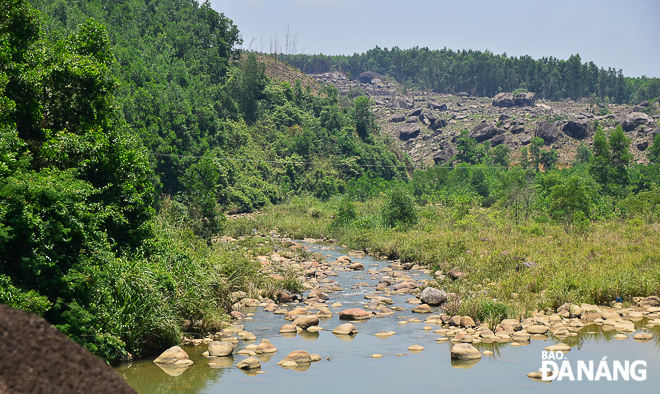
{"x": 399, "y": 209}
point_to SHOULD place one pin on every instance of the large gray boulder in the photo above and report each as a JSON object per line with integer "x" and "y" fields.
{"x": 576, "y": 129}
{"x": 433, "y": 296}
{"x": 438, "y": 124}
{"x": 497, "y": 140}
{"x": 443, "y": 156}
{"x": 503, "y": 100}
{"x": 437, "y": 106}
{"x": 402, "y": 102}
{"x": 547, "y": 131}
{"x": 634, "y": 119}
{"x": 408, "y": 131}
{"x": 414, "y": 112}
{"x": 396, "y": 118}
{"x": 367, "y": 76}
{"x": 524, "y": 100}
{"x": 428, "y": 115}
{"x": 483, "y": 132}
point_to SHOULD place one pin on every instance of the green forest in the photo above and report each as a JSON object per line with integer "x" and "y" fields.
{"x": 486, "y": 74}
{"x": 130, "y": 129}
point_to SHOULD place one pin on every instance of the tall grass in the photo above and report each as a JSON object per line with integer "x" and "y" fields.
{"x": 612, "y": 259}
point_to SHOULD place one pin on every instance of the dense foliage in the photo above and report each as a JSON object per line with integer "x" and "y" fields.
{"x": 186, "y": 91}
{"x": 106, "y": 106}
{"x": 486, "y": 74}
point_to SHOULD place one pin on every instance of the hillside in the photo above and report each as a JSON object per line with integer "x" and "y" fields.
{"x": 562, "y": 124}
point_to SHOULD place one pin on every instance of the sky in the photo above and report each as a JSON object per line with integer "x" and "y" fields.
{"x": 622, "y": 34}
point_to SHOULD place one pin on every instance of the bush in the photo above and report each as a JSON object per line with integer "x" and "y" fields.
{"x": 399, "y": 208}
{"x": 345, "y": 215}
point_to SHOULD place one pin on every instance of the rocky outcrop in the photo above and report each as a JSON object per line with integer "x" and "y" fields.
{"x": 576, "y": 129}
{"x": 396, "y": 118}
{"x": 503, "y": 100}
{"x": 524, "y": 100}
{"x": 414, "y": 112}
{"x": 368, "y": 76}
{"x": 401, "y": 102}
{"x": 428, "y": 116}
{"x": 438, "y": 124}
{"x": 497, "y": 140}
{"x": 437, "y": 106}
{"x": 408, "y": 131}
{"x": 547, "y": 131}
{"x": 483, "y": 132}
{"x": 634, "y": 119}
{"x": 444, "y": 155}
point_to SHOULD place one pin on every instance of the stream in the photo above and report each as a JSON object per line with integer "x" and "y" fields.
{"x": 347, "y": 366}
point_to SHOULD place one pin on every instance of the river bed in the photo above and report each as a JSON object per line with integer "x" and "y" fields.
{"x": 347, "y": 366}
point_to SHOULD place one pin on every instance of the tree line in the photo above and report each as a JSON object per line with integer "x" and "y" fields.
{"x": 486, "y": 74}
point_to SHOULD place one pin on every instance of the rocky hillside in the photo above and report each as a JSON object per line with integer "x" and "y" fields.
{"x": 426, "y": 124}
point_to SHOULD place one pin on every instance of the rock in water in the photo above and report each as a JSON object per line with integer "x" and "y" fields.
{"x": 345, "y": 329}
{"x": 465, "y": 351}
{"x": 249, "y": 363}
{"x": 265, "y": 347}
{"x": 354, "y": 314}
{"x": 174, "y": 355}
{"x": 220, "y": 349}
{"x": 432, "y": 296}
{"x": 305, "y": 322}
{"x": 299, "y": 357}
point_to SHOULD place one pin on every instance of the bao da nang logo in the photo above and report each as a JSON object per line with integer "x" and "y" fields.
{"x": 555, "y": 366}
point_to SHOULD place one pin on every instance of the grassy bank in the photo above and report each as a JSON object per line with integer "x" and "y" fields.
{"x": 597, "y": 264}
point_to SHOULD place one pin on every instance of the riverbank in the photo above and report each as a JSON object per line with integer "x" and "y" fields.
{"x": 392, "y": 335}
{"x": 491, "y": 263}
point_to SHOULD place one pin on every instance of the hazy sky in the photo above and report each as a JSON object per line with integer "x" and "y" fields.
{"x": 620, "y": 34}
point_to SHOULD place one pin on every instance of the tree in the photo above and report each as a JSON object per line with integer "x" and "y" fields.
{"x": 500, "y": 155}
{"x": 599, "y": 164}
{"x": 365, "y": 120}
{"x": 620, "y": 159}
{"x": 654, "y": 151}
{"x": 583, "y": 154}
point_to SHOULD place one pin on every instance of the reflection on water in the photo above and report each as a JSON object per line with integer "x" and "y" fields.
{"x": 347, "y": 365}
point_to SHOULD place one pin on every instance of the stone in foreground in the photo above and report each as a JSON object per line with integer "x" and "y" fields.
{"x": 465, "y": 351}
{"x": 249, "y": 363}
{"x": 174, "y": 356}
{"x": 354, "y": 314}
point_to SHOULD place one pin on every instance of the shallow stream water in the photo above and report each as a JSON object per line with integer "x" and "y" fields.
{"x": 350, "y": 367}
